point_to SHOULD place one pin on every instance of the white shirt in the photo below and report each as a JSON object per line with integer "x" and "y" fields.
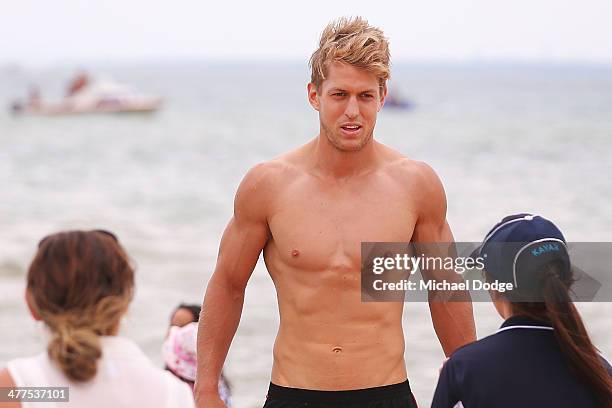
{"x": 125, "y": 379}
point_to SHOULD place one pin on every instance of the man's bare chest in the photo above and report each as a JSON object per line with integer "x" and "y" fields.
{"x": 322, "y": 229}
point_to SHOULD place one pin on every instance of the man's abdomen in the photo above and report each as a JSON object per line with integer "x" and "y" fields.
{"x": 338, "y": 357}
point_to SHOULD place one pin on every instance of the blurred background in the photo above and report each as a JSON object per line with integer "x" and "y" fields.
{"x": 511, "y": 103}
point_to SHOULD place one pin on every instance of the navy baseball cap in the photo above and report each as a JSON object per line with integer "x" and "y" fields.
{"x": 516, "y": 249}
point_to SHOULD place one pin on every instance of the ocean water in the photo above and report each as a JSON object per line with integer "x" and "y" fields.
{"x": 503, "y": 139}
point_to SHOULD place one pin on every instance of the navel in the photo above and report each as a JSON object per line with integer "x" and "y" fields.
{"x": 337, "y": 350}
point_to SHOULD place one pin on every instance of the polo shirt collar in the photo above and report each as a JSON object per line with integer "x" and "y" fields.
{"x": 525, "y": 322}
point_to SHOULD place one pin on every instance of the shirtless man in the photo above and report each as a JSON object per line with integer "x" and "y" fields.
{"x": 309, "y": 210}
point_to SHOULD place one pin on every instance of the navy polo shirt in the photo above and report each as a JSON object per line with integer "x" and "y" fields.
{"x": 519, "y": 366}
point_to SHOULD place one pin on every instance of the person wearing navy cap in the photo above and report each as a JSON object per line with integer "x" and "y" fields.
{"x": 542, "y": 355}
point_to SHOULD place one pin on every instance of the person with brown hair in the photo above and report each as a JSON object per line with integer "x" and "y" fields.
{"x": 309, "y": 210}
{"x": 542, "y": 355}
{"x": 80, "y": 284}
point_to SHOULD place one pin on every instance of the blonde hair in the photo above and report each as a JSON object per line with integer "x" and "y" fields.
{"x": 75, "y": 345}
{"x": 351, "y": 41}
{"x": 80, "y": 283}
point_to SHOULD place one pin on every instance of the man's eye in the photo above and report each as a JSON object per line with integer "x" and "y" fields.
{"x": 340, "y": 94}
{"x": 367, "y": 95}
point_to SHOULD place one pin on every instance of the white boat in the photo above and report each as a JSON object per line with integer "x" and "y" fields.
{"x": 97, "y": 97}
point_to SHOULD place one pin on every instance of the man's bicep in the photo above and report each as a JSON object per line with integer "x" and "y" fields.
{"x": 432, "y": 234}
{"x": 431, "y": 225}
{"x": 239, "y": 251}
{"x": 247, "y": 231}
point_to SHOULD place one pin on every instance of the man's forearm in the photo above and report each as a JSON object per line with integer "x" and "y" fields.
{"x": 218, "y": 323}
{"x": 453, "y": 322}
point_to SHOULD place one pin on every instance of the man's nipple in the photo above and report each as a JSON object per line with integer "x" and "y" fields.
{"x": 295, "y": 253}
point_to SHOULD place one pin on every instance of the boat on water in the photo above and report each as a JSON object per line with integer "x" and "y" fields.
{"x": 95, "y": 97}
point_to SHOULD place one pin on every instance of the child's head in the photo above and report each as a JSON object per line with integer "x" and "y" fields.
{"x": 184, "y": 314}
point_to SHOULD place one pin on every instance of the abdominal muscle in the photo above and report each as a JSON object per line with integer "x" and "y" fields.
{"x": 329, "y": 339}
{"x": 361, "y": 360}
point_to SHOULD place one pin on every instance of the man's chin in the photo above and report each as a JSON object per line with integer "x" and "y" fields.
{"x": 349, "y": 145}
{"x": 352, "y": 148}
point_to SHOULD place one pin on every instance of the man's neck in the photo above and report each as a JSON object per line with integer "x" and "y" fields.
{"x": 333, "y": 162}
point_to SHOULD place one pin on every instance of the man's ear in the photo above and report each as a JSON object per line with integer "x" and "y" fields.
{"x": 32, "y": 306}
{"x": 313, "y": 96}
{"x": 383, "y": 96}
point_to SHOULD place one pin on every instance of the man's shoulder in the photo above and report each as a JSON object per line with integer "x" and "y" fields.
{"x": 281, "y": 168}
{"x": 407, "y": 170}
{"x": 399, "y": 164}
{"x": 270, "y": 172}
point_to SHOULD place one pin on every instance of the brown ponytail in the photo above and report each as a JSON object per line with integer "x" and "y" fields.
{"x": 80, "y": 283}
{"x": 570, "y": 331}
{"x": 76, "y": 351}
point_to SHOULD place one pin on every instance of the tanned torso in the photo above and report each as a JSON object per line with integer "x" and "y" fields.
{"x": 328, "y": 338}
{"x": 309, "y": 211}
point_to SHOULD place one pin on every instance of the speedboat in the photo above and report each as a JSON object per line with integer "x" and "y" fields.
{"x": 97, "y": 97}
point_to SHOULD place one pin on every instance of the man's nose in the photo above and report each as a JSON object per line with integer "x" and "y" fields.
{"x": 352, "y": 108}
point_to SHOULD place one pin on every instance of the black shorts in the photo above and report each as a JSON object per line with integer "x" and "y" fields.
{"x": 387, "y": 396}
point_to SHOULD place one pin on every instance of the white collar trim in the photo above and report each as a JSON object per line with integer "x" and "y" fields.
{"x": 525, "y": 327}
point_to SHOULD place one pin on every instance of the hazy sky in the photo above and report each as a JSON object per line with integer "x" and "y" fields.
{"x": 56, "y": 31}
